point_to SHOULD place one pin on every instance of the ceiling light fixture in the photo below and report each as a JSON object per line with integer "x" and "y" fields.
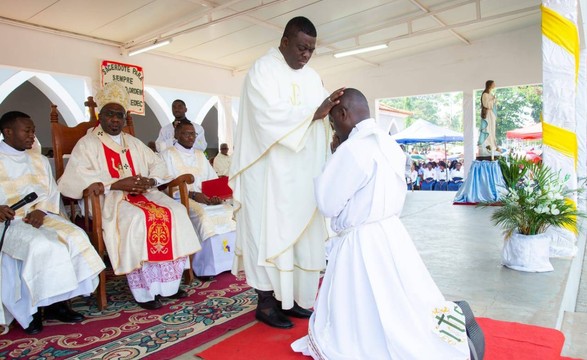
{"x": 360, "y": 51}
{"x": 155, "y": 45}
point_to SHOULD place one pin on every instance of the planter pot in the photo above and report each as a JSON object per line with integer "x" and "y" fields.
{"x": 527, "y": 253}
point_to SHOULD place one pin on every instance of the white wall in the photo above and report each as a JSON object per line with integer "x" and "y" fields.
{"x": 29, "y": 49}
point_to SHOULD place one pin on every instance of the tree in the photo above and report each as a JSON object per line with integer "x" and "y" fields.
{"x": 516, "y": 106}
{"x": 442, "y": 109}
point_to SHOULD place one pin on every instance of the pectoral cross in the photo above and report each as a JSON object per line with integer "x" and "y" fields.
{"x": 117, "y": 167}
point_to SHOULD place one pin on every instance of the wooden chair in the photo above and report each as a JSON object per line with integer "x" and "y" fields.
{"x": 64, "y": 139}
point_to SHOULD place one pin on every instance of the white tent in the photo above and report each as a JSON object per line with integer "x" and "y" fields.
{"x": 424, "y": 132}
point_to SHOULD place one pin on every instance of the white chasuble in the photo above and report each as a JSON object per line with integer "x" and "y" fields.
{"x": 40, "y": 266}
{"x": 278, "y": 151}
{"x": 127, "y": 229}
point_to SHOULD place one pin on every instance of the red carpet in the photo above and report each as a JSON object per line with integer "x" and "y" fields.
{"x": 259, "y": 342}
{"x": 126, "y": 331}
{"x": 503, "y": 341}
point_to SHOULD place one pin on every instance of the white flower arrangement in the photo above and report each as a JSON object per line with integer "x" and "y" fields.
{"x": 534, "y": 199}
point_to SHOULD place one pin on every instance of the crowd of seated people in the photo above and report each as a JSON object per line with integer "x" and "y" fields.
{"x": 433, "y": 176}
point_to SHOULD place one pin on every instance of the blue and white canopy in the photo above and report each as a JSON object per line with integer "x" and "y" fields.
{"x": 424, "y": 132}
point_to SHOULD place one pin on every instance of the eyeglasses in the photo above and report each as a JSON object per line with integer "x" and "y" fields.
{"x": 112, "y": 113}
{"x": 223, "y": 148}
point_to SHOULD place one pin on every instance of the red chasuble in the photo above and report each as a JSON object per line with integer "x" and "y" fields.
{"x": 157, "y": 218}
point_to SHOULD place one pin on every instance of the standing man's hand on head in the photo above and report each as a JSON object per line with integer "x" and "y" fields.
{"x": 328, "y": 104}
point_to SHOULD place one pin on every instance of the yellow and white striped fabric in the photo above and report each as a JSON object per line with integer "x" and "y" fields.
{"x": 560, "y": 72}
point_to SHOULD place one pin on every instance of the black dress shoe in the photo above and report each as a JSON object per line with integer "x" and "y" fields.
{"x": 298, "y": 312}
{"x": 36, "y": 326}
{"x": 62, "y": 312}
{"x": 180, "y": 294}
{"x": 274, "y": 318}
{"x": 205, "y": 278}
{"x": 151, "y": 305}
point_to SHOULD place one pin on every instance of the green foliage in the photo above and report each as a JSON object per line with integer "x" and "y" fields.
{"x": 537, "y": 200}
{"x": 515, "y": 105}
{"x": 514, "y": 170}
{"x": 444, "y": 109}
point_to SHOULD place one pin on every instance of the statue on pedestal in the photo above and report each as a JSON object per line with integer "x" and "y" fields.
{"x": 487, "y": 142}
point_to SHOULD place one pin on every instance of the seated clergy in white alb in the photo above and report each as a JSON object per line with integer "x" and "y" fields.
{"x": 221, "y": 162}
{"x": 45, "y": 258}
{"x": 212, "y": 218}
{"x": 147, "y": 234}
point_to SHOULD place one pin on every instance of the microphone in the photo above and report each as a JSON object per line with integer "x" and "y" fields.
{"x": 25, "y": 200}
{"x": 22, "y": 202}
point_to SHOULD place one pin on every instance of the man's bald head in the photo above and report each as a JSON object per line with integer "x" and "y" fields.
{"x": 352, "y": 109}
{"x": 356, "y": 102}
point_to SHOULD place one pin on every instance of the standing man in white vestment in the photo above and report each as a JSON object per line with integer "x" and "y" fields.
{"x": 377, "y": 300}
{"x": 210, "y": 215}
{"x": 282, "y": 142}
{"x": 45, "y": 258}
{"x": 166, "y": 134}
{"x": 147, "y": 234}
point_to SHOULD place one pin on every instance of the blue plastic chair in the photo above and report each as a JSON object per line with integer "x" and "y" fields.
{"x": 441, "y": 186}
{"x": 455, "y": 184}
{"x": 427, "y": 186}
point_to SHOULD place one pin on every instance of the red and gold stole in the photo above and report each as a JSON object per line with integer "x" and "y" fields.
{"x": 158, "y": 222}
{"x": 157, "y": 218}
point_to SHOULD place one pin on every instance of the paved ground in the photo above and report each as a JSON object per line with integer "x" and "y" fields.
{"x": 582, "y": 298}
{"x": 461, "y": 249}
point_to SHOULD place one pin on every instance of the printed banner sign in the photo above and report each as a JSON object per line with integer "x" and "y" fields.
{"x": 132, "y": 77}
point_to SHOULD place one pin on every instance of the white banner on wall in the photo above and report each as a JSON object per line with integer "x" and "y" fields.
{"x": 132, "y": 77}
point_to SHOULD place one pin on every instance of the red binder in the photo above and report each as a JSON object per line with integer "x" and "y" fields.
{"x": 217, "y": 187}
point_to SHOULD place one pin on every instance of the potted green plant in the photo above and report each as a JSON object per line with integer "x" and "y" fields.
{"x": 535, "y": 198}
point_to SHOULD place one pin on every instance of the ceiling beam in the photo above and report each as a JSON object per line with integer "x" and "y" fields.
{"x": 404, "y": 19}
{"x": 50, "y": 30}
{"x": 524, "y": 11}
{"x": 440, "y": 22}
{"x": 185, "y": 21}
{"x": 204, "y": 25}
{"x": 278, "y": 29}
{"x": 388, "y": 41}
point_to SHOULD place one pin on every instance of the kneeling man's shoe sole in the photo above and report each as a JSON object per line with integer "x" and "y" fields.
{"x": 275, "y": 319}
{"x": 298, "y": 312}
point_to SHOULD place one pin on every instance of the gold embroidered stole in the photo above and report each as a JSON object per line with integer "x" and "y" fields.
{"x": 181, "y": 166}
{"x": 12, "y": 186}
